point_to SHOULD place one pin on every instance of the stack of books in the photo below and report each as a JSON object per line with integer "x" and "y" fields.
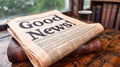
{"x": 108, "y": 14}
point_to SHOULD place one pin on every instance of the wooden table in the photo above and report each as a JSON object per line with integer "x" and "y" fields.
{"x": 108, "y": 56}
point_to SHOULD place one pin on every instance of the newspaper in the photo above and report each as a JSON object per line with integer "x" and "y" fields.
{"x": 48, "y": 37}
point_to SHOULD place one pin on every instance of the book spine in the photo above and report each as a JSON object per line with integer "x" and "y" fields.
{"x": 113, "y": 16}
{"x": 108, "y": 14}
{"x": 75, "y": 8}
{"x": 104, "y": 11}
{"x": 98, "y": 13}
{"x": 94, "y": 12}
{"x": 117, "y": 25}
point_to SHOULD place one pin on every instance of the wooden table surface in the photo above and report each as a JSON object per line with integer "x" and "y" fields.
{"x": 108, "y": 56}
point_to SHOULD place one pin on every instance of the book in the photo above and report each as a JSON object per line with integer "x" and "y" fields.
{"x": 108, "y": 14}
{"x": 94, "y": 13}
{"x": 113, "y": 16}
{"x": 50, "y": 36}
{"x": 104, "y": 12}
{"x": 75, "y": 8}
{"x": 117, "y": 24}
{"x": 98, "y": 13}
{"x": 16, "y": 54}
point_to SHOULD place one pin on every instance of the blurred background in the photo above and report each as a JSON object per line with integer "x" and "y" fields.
{"x": 24, "y": 7}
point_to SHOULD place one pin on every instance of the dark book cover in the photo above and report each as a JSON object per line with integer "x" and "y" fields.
{"x": 113, "y": 16}
{"x": 98, "y": 13}
{"x": 117, "y": 25}
{"x": 108, "y": 14}
{"x": 104, "y": 11}
{"x": 94, "y": 13}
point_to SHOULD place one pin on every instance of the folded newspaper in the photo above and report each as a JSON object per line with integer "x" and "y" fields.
{"x": 48, "y": 37}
